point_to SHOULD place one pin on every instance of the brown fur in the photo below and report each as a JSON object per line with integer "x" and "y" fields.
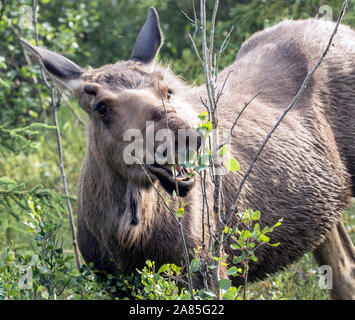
{"x": 303, "y": 175}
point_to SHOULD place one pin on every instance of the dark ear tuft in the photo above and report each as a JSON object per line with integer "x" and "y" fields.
{"x": 58, "y": 67}
{"x": 149, "y": 39}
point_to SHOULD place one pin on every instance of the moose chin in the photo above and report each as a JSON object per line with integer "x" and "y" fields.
{"x": 305, "y": 173}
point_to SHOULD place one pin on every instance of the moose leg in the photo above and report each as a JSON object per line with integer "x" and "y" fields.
{"x": 338, "y": 252}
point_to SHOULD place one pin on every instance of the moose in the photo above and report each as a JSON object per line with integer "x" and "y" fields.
{"x": 305, "y": 174}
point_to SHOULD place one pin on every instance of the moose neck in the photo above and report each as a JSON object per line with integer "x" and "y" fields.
{"x": 120, "y": 209}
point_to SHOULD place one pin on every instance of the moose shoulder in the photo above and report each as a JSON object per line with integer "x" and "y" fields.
{"x": 306, "y": 173}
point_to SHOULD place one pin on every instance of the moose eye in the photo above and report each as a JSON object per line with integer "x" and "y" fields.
{"x": 101, "y": 108}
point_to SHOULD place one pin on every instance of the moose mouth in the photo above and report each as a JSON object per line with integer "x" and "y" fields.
{"x": 170, "y": 178}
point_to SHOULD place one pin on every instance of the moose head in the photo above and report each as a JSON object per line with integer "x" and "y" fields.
{"x": 128, "y": 100}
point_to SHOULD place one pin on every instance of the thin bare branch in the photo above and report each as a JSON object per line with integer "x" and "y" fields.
{"x": 212, "y": 31}
{"x": 210, "y": 82}
{"x": 195, "y": 48}
{"x": 192, "y": 21}
{"x": 55, "y": 105}
{"x": 221, "y": 50}
{"x": 237, "y": 118}
{"x": 72, "y": 109}
{"x": 220, "y": 92}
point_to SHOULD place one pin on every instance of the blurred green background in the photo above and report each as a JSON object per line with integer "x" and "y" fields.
{"x": 93, "y": 33}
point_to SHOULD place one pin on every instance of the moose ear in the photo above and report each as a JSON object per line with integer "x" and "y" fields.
{"x": 149, "y": 39}
{"x": 61, "y": 70}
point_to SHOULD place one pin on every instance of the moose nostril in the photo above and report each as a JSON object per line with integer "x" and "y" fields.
{"x": 90, "y": 89}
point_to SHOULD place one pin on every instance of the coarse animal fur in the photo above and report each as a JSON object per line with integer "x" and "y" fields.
{"x": 305, "y": 174}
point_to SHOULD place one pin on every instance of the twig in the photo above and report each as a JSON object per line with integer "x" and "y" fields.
{"x": 237, "y": 118}
{"x": 211, "y": 107}
{"x": 71, "y": 107}
{"x": 195, "y": 48}
{"x": 210, "y": 82}
{"x": 207, "y": 57}
{"x": 289, "y": 107}
{"x": 221, "y": 50}
{"x": 220, "y": 92}
{"x": 193, "y": 37}
{"x": 205, "y": 210}
{"x": 55, "y": 105}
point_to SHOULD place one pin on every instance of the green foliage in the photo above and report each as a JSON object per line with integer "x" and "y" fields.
{"x": 232, "y": 164}
{"x": 14, "y": 195}
{"x": 248, "y": 236}
{"x": 20, "y": 139}
{"x": 46, "y": 272}
{"x": 160, "y": 285}
{"x": 94, "y": 33}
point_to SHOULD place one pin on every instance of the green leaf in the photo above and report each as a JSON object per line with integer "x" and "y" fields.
{"x": 223, "y": 150}
{"x": 234, "y": 246}
{"x": 275, "y": 244}
{"x": 180, "y": 212}
{"x": 232, "y": 270}
{"x": 232, "y": 165}
{"x": 251, "y": 245}
{"x": 207, "y": 126}
{"x": 256, "y": 215}
{"x": 205, "y": 294}
{"x": 246, "y": 216}
{"x": 257, "y": 228}
{"x": 163, "y": 268}
{"x": 264, "y": 238}
{"x": 203, "y": 116}
{"x": 194, "y": 265}
{"x": 253, "y": 258}
{"x": 245, "y": 234}
{"x": 229, "y": 295}
{"x": 224, "y": 284}
{"x": 186, "y": 296}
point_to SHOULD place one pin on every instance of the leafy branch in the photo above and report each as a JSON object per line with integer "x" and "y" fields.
{"x": 55, "y": 104}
